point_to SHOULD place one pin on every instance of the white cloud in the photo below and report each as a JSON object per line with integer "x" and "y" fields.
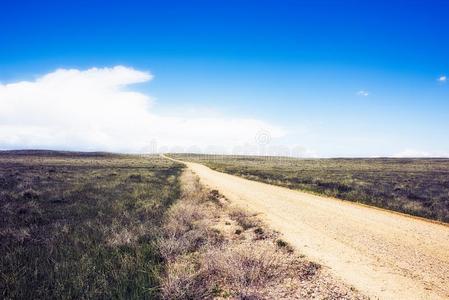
{"x": 362, "y": 93}
{"x": 442, "y": 78}
{"x": 412, "y": 153}
{"x": 418, "y": 153}
{"x": 95, "y": 109}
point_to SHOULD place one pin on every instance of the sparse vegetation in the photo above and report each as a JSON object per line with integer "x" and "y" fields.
{"x": 213, "y": 250}
{"x": 82, "y": 226}
{"x": 415, "y": 186}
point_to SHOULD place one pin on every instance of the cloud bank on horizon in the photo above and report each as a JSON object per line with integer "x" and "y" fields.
{"x": 95, "y": 109}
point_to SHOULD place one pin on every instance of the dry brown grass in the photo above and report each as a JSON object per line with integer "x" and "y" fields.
{"x": 215, "y": 251}
{"x": 247, "y": 271}
{"x": 243, "y": 218}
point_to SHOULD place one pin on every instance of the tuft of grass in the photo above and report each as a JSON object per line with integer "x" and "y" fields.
{"x": 284, "y": 245}
{"x": 281, "y": 243}
{"x": 244, "y": 219}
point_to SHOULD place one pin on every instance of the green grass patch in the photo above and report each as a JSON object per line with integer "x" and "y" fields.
{"x": 79, "y": 226}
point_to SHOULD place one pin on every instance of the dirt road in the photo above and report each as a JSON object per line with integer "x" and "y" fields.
{"x": 385, "y": 255}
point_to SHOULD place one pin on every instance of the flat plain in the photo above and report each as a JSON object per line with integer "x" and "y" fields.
{"x": 383, "y": 254}
{"x": 109, "y": 226}
{"x": 416, "y": 186}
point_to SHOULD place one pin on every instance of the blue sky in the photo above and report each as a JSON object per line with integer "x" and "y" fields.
{"x": 340, "y": 78}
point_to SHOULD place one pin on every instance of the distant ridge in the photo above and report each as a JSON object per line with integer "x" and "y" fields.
{"x": 35, "y": 152}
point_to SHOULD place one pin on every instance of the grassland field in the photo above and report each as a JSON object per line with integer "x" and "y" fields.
{"x": 82, "y": 226}
{"x": 98, "y": 225}
{"x": 106, "y": 226}
{"x": 416, "y": 186}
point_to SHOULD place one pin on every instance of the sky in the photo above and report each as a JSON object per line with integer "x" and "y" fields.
{"x": 303, "y": 78}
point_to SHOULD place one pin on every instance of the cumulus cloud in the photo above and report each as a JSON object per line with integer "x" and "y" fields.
{"x": 442, "y": 78}
{"x": 97, "y": 109}
{"x": 362, "y": 93}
